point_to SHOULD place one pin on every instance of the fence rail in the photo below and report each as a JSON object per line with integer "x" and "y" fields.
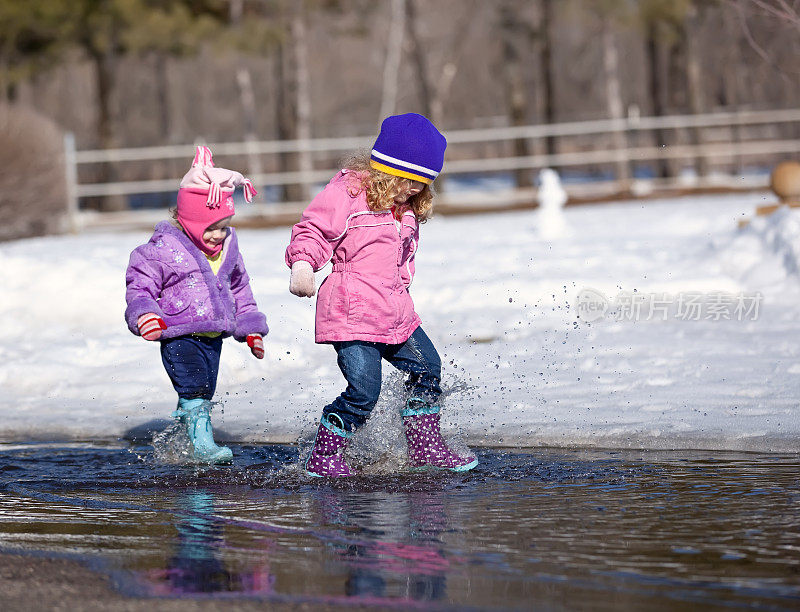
{"x": 732, "y": 147}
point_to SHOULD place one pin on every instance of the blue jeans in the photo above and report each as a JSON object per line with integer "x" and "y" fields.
{"x": 360, "y": 363}
{"x": 192, "y": 364}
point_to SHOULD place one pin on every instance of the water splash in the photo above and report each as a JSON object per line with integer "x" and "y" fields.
{"x": 172, "y": 445}
{"x": 379, "y": 446}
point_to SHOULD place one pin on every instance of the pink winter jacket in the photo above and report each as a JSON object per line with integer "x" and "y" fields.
{"x": 366, "y": 296}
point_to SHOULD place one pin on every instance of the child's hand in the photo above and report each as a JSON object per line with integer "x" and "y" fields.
{"x": 150, "y": 326}
{"x": 302, "y": 282}
{"x": 256, "y": 344}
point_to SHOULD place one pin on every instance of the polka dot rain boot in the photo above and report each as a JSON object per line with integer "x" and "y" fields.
{"x": 427, "y": 449}
{"x": 326, "y": 459}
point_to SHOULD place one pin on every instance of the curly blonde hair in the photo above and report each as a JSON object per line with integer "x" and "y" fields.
{"x": 381, "y": 188}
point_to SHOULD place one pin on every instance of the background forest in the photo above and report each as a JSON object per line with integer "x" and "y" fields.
{"x": 129, "y": 73}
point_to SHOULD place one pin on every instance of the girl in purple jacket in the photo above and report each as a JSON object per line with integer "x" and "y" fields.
{"x": 188, "y": 288}
{"x": 366, "y": 221}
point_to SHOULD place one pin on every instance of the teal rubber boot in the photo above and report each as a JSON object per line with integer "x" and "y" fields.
{"x": 195, "y": 414}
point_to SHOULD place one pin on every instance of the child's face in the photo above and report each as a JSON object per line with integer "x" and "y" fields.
{"x": 216, "y": 234}
{"x": 414, "y": 189}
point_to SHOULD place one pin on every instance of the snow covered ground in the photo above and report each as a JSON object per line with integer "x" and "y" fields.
{"x": 689, "y": 334}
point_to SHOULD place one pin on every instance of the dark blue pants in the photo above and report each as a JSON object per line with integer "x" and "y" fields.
{"x": 192, "y": 364}
{"x": 360, "y": 362}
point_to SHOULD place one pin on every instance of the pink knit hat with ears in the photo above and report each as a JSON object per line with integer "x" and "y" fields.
{"x": 206, "y": 197}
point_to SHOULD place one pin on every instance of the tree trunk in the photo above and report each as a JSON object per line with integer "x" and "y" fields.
{"x": 614, "y": 100}
{"x": 694, "y": 86}
{"x": 514, "y": 84}
{"x": 675, "y": 94}
{"x": 105, "y": 66}
{"x": 248, "y": 99}
{"x": 434, "y": 94}
{"x": 394, "y": 53}
{"x": 235, "y": 11}
{"x": 164, "y": 124}
{"x": 418, "y": 58}
{"x": 656, "y": 89}
{"x": 303, "y": 102}
{"x": 163, "y": 119}
{"x": 294, "y": 103}
{"x": 11, "y": 92}
{"x": 548, "y": 76}
{"x": 286, "y": 120}
{"x": 730, "y": 79}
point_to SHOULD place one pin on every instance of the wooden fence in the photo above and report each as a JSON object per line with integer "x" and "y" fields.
{"x": 722, "y": 140}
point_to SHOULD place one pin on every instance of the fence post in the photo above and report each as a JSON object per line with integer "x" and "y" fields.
{"x": 71, "y": 177}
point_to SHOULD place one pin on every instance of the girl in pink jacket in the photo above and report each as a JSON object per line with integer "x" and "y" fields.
{"x": 366, "y": 222}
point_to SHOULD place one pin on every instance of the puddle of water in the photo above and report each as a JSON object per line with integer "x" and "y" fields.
{"x": 540, "y": 528}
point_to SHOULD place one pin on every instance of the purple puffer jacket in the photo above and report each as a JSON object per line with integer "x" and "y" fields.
{"x": 171, "y": 277}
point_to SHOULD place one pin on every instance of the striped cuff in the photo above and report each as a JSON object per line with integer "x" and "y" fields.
{"x": 256, "y": 344}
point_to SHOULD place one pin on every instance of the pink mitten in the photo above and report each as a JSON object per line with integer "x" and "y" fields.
{"x": 256, "y": 344}
{"x": 150, "y": 326}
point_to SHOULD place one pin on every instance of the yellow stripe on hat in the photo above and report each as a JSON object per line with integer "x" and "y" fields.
{"x": 402, "y": 173}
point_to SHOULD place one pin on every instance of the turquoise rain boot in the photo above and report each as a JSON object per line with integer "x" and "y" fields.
{"x": 195, "y": 414}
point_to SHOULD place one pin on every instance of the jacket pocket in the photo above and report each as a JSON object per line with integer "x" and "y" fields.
{"x": 173, "y": 302}
{"x": 371, "y": 304}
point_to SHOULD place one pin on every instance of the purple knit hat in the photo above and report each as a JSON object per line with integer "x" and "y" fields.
{"x": 409, "y": 146}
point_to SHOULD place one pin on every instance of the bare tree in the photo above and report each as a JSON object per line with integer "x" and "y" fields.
{"x": 32, "y": 195}
{"x": 694, "y": 79}
{"x": 656, "y": 89}
{"x": 512, "y": 30}
{"x": 137, "y": 87}
{"x": 419, "y": 58}
{"x": 300, "y": 38}
{"x": 435, "y": 81}
{"x": 294, "y": 101}
{"x": 614, "y": 104}
{"x": 779, "y": 12}
{"x": 248, "y": 98}
{"x": 779, "y": 9}
{"x": 612, "y": 14}
{"x": 660, "y": 21}
{"x": 548, "y": 94}
{"x": 394, "y": 53}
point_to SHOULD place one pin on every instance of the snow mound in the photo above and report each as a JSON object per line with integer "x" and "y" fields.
{"x": 780, "y": 234}
{"x": 765, "y": 254}
{"x": 521, "y": 368}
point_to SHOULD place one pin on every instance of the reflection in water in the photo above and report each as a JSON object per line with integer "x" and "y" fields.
{"x": 556, "y": 529}
{"x": 403, "y": 542}
{"x": 197, "y": 566}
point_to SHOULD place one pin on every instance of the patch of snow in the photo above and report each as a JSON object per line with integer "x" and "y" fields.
{"x": 521, "y": 367}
